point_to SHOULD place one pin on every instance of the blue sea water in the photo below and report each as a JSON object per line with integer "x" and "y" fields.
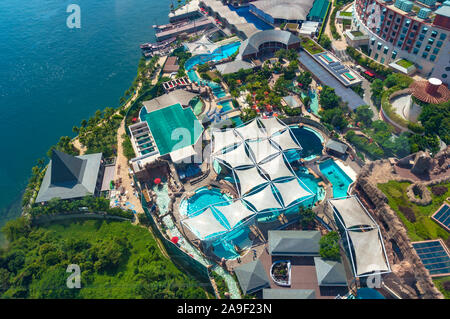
{"x": 52, "y": 77}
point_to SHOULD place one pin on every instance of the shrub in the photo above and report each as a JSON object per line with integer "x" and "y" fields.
{"x": 408, "y": 212}
{"x": 446, "y": 285}
{"x": 416, "y": 128}
{"x": 439, "y": 190}
{"x": 329, "y": 246}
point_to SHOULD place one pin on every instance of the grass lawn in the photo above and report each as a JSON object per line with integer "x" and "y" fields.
{"x": 357, "y": 33}
{"x": 424, "y": 228}
{"x": 405, "y": 63}
{"x": 346, "y": 14}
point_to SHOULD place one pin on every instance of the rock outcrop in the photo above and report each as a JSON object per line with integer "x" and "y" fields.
{"x": 409, "y": 278}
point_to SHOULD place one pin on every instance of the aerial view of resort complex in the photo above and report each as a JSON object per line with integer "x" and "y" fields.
{"x": 245, "y": 150}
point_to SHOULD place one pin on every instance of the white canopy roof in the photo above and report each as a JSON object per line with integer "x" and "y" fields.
{"x": 291, "y": 191}
{"x": 262, "y": 149}
{"x": 184, "y": 153}
{"x": 250, "y": 130}
{"x": 223, "y": 139}
{"x": 276, "y": 168}
{"x": 264, "y": 199}
{"x": 285, "y": 141}
{"x": 272, "y": 125}
{"x": 369, "y": 252}
{"x": 249, "y": 179}
{"x": 352, "y": 212}
{"x": 235, "y": 212}
{"x": 204, "y": 224}
{"x": 236, "y": 157}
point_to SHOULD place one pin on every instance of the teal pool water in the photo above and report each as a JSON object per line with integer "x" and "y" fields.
{"x": 314, "y": 105}
{"x": 222, "y": 52}
{"x": 337, "y": 178}
{"x": 202, "y": 198}
{"x": 310, "y": 142}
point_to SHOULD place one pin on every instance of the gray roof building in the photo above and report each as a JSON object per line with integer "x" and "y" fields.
{"x": 234, "y": 66}
{"x": 291, "y": 10}
{"x": 70, "y": 176}
{"x": 291, "y": 101}
{"x": 289, "y": 294}
{"x": 178, "y": 96}
{"x": 336, "y": 146}
{"x": 252, "y": 277}
{"x": 294, "y": 242}
{"x": 330, "y": 273}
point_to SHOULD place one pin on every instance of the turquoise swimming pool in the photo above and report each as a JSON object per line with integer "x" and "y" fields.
{"x": 314, "y": 105}
{"x": 337, "y": 177}
{"x": 222, "y": 52}
{"x": 202, "y": 198}
{"x": 310, "y": 142}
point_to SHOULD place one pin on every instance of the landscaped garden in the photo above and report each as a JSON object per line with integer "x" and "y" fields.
{"x": 404, "y": 63}
{"x": 310, "y": 46}
{"x": 416, "y": 218}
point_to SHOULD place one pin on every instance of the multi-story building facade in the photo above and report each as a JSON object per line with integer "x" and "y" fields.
{"x": 416, "y": 31}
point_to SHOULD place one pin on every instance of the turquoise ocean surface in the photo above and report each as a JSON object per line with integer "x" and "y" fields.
{"x": 52, "y": 77}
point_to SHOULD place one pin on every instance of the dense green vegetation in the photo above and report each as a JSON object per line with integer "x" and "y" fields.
{"x": 334, "y": 112}
{"x": 128, "y": 150}
{"x": 307, "y": 218}
{"x": 182, "y": 56}
{"x": 435, "y": 119}
{"x": 329, "y": 246}
{"x": 86, "y": 204}
{"x": 423, "y": 228}
{"x": 220, "y": 283}
{"x": 116, "y": 259}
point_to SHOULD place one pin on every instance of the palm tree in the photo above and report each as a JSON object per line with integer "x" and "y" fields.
{"x": 75, "y": 129}
{"x": 83, "y": 123}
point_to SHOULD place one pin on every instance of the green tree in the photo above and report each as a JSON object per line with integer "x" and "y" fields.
{"x": 305, "y": 78}
{"x": 377, "y": 90}
{"x": 329, "y": 246}
{"x": 307, "y": 218}
{"x": 328, "y": 98}
{"x": 364, "y": 114}
{"x": 335, "y": 117}
{"x": 325, "y": 42}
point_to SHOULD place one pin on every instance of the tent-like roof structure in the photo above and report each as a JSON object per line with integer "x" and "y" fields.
{"x": 351, "y": 212}
{"x": 369, "y": 252}
{"x": 262, "y": 149}
{"x": 250, "y": 130}
{"x": 178, "y": 96}
{"x": 252, "y": 277}
{"x": 285, "y": 141}
{"x": 224, "y": 139}
{"x": 272, "y": 125}
{"x": 263, "y": 199}
{"x": 330, "y": 273}
{"x": 294, "y": 242}
{"x": 235, "y": 212}
{"x": 276, "y": 168}
{"x": 289, "y": 294}
{"x": 69, "y": 176}
{"x": 291, "y": 191}
{"x": 236, "y": 157}
{"x": 205, "y": 224}
{"x": 363, "y": 240}
{"x": 249, "y": 178}
{"x": 201, "y": 46}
